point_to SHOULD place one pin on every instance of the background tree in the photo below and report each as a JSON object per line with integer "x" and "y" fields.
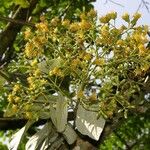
{"x": 68, "y": 61}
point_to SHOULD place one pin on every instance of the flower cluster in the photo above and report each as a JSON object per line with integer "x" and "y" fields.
{"x": 83, "y": 54}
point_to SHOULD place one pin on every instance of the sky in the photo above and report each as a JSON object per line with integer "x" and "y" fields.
{"x": 129, "y": 6}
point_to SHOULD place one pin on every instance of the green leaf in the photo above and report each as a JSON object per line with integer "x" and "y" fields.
{"x": 46, "y": 66}
{"x": 43, "y": 3}
{"x": 22, "y": 3}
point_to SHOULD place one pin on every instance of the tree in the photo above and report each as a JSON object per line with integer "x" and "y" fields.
{"x": 79, "y": 78}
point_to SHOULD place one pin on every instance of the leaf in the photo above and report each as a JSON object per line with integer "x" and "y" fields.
{"x": 88, "y": 124}
{"x": 22, "y": 3}
{"x": 17, "y": 137}
{"x": 43, "y": 3}
{"x": 70, "y": 135}
{"x": 44, "y": 115}
{"x": 59, "y": 115}
{"x": 46, "y": 66}
{"x": 41, "y": 139}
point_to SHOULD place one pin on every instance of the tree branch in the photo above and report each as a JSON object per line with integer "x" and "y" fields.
{"x": 8, "y": 36}
{"x": 17, "y": 21}
{"x": 15, "y": 123}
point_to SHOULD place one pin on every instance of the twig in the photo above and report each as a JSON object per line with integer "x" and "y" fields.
{"x": 140, "y": 5}
{"x": 17, "y": 21}
{"x": 145, "y": 4}
{"x": 113, "y": 2}
{"x": 2, "y": 74}
{"x": 66, "y": 9}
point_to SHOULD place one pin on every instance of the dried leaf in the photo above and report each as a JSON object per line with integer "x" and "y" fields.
{"x": 88, "y": 124}
{"x": 59, "y": 115}
{"x": 17, "y": 137}
{"x": 70, "y": 135}
{"x": 41, "y": 139}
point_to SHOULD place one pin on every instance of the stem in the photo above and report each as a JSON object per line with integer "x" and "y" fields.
{"x": 54, "y": 84}
{"x": 2, "y": 74}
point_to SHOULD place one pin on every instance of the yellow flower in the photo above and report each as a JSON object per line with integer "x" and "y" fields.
{"x": 145, "y": 67}
{"x": 27, "y": 33}
{"x": 27, "y": 107}
{"x": 10, "y": 98}
{"x": 80, "y": 94}
{"x": 120, "y": 42}
{"x": 127, "y": 50}
{"x": 99, "y": 40}
{"x": 14, "y": 108}
{"x": 16, "y": 87}
{"x": 28, "y": 115}
{"x": 55, "y": 21}
{"x": 146, "y": 28}
{"x": 66, "y": 23}
{"x": 99, "y": 61}
{"x": 122, "y": 28}
{"x": 56, "y": 71}
{"x": 140, "y": 38}
{"x": 43, "y": 81}
{"x": 126, "y": 17}
{"x": 37, "y": 73}
{"x": 32, "y": 86}
{"x": 85, "y": 25}
{"x": 29, "y": 50}
{"x": 17, "y": 99}
{"x": 92, "y": 13}
{"x": 30, "y": 80}
{"x": 108, "y": 17}
{"x": 105, "y": 30}
{"x": 87, "y": 56}
{"x": 104, "y": 19}
{"x": 42, "y": 18}
{"x": 34, "y": 63}
{"x": 93, "y": 96}
{"x": 142, "y": 49}
{"x": 113, "y": 15}
{"x": 42, "y": 26}
{"x": 36, "y": 42}
{"x": 83, "y": 16}
{"x": 138, "y": 71}
{"x": 80, "y": 35}
{"x": 39, "y": 41}
{"x": 75, "y": 63}
{"x": 105, "y": 34}
{"x": 74, "y": 27}
{"x": 136, "y": 16}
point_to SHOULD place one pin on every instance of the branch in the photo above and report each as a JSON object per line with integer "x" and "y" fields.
{"x": 17, "y": 21}
{"x": 113, "y": 3}
{"x": 66, "y": 9}
{"x": 8, "y": 36}
{"x": 118, "y": 119}
{"x": 7, "y": 123}
{"x": 145, "y": 4}
{"x": 5, "y": 76}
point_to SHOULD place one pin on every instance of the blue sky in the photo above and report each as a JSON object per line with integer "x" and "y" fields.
{"x": 129, "y": 6}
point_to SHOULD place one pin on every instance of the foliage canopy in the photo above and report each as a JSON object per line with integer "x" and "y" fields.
{"x": 74, "y": 62}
